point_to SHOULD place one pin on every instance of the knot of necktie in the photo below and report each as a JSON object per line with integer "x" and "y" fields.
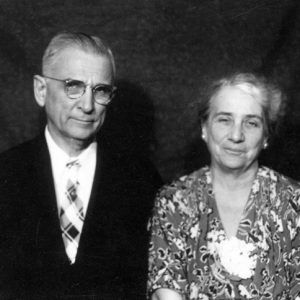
{"x": 74, "y": 163}
{"x": 72, "y": 169}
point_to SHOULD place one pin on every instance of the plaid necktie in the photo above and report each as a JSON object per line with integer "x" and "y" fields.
{"x": 71, "y": 212}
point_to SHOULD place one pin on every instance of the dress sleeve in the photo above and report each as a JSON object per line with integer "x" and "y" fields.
{"x": 167, "y": 258}
{"x": 292, "y": 257}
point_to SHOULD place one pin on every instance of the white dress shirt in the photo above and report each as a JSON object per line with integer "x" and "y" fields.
{"x": 59, "y": 159}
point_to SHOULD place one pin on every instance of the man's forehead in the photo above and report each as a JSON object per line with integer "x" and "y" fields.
{"x": 74, "y": 53}
{"x": 77, "y": 60}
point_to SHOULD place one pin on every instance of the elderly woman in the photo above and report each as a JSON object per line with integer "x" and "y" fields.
{"x": 230, "y": 230}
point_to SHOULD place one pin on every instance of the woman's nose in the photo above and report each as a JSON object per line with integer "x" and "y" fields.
{"x": 237, "y": 133}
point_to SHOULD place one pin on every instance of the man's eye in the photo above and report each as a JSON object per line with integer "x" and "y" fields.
{"x": 103, "y": 90}
{"x": 74, "y": 84}
{"x": 223, "y": 120}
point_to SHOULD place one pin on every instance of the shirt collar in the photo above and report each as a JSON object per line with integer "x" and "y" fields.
{"x": 60, "y": 158}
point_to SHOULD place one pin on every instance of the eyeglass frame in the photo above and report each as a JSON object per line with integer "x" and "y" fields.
{"x": 68, "y": 80}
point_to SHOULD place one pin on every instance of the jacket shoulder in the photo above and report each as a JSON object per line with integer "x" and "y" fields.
{"x": 20, "y": 158}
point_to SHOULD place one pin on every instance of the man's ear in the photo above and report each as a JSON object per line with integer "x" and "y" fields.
{"x": 40, "y": 90}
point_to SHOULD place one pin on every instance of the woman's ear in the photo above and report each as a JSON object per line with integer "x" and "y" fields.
{"x": 266, "y": 143}
{"x": 40, "y": 90}
{"x": 204, "y": 131}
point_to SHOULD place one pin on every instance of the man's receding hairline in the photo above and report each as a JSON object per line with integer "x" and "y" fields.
{"x": 52, "y": 59}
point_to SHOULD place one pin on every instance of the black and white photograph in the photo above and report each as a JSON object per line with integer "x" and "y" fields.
{"x": 150, "y": 149}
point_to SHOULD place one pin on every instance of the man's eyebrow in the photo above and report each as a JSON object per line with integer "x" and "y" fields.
{"x": 73, "y": 79}
{"x": 222, "y": 113}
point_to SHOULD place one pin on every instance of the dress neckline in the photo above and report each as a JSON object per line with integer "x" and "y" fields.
{"x": 251, "y": 200}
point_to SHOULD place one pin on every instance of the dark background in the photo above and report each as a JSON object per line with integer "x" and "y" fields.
{"x": 165, "y": 52}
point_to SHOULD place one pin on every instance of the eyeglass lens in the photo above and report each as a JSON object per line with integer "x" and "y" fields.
{"x": 76, "y": 89}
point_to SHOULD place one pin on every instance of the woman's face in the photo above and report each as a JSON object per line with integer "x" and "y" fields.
{"x": 234, "y": 130}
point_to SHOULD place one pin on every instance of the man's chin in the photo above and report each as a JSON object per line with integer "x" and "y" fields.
{"x": 83, "y": 133}
{"x": 84, "y": 139}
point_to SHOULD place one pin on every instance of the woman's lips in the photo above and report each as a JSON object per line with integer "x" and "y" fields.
{"x": 234, "y": 151}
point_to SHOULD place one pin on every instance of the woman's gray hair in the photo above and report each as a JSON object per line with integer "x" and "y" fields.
{"x": 272, "y": 98}
{"x": 79, "y": 40}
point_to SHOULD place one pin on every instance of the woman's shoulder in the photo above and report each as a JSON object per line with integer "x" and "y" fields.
{"x": 284, "y": 192}
{"x": 183, "y": 193}
{"x": 187, "y": 182}
{"x": 278, "y": 178}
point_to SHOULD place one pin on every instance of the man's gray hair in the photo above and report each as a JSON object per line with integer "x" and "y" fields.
{"x": 79, "y": 40}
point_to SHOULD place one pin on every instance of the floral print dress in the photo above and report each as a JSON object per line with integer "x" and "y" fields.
{"x": 189, "y": 251}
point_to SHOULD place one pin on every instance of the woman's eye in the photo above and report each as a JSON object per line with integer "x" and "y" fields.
{"x": 252, "y": 123}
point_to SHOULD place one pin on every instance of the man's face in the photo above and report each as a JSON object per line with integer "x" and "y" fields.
{"x": 75, "y": 120}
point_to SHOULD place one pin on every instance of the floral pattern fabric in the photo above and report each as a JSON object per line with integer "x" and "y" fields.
{"x": 186, "y": 223}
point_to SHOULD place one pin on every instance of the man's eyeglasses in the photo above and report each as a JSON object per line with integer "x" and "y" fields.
{"x": 74, "y": 89}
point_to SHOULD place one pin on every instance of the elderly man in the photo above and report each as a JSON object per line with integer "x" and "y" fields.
{"x": 69, "y": 200}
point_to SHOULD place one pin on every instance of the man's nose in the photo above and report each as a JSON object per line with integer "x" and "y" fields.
{"x": 237, "y": 133}
{"x": 87, "y": 102}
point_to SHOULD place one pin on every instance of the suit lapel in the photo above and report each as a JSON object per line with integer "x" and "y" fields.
{"x": 94, "y": 210}
{"x": 101, "y": 217}
{"x": 48, "y": 233}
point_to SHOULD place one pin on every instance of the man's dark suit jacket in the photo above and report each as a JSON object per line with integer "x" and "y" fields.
{"x": 111, "y": 260}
